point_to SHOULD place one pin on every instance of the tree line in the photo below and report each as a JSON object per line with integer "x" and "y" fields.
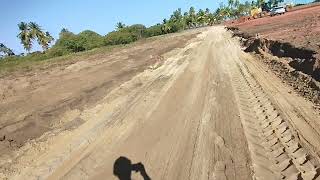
{"x": 68, "y": 42}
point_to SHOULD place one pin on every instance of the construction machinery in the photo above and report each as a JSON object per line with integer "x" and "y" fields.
{"x": 264, "y": 9}
{"x": 255, "y": 12}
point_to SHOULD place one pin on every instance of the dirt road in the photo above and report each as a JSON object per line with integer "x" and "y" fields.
{"x": 208, "y": 112}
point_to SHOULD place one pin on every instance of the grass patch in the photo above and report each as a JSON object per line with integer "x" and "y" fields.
{"x": 33, "y": 62}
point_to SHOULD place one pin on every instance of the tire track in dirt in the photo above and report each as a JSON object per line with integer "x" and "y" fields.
{"x": 276, "y": 152}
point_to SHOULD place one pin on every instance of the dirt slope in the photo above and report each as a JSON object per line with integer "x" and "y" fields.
{"x": 51, "y": 98}
{"x": 299, "y": 29}
{"x": 207, "y": 112}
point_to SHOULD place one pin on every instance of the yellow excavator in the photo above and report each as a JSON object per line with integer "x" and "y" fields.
{"x": 256, "y": 12}
{"x": 265, "y": 8}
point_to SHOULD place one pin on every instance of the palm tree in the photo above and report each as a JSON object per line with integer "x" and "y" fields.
{"x": 260, "y": 3}
{"x": 225, "y": 12}
{"x": 207, "y": 11}
{"x": 207, "y": 15}
{"x": 25, "y": 36}
{"x": 63, "y": 32}
{"x": 191, "y": 20}
{"x": 120, "y": 25}
{"x": 236, "y": 3}
{"x": 201, "y": 17}
{"x": 192, "y": 12}
{"x": 164, "y": 21}
{"x": 231, "y": 3}
{"x": 35, "y": 30}
{"x": 166, "y": 28}
{"x": 5, "y": 50}
{"x": 37, "y": 33}
{"x": 212, "y": 19}
{"x": 176, "y": 16}
{"x": 49, "y": 37}
{"x": 44, "y": 39}
{"x": 32, "y": 31}
{"x": 185, "y": 20}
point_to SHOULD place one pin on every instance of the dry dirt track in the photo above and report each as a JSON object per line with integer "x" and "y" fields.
{"x": 201, "y": 115}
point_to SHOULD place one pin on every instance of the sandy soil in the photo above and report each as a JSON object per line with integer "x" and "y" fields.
{"x": 52, "y": 97}
{"x": 208, "y": 111}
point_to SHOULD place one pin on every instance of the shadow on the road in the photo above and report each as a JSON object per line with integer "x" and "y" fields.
{"x": 123, "y": 167}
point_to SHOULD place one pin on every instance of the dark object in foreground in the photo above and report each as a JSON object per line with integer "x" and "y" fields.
{"x": 123, "y": 167}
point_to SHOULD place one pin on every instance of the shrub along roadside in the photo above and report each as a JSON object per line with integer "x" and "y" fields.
{"x": 125, "y": 35}
{"x": 39, "y": 59}
{"x": 69, "y": 42}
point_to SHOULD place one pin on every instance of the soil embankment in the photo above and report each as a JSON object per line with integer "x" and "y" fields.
{"x": 301, "y": 28}
{"x": 295, "y": 34}
{"x": 298, "y": 66}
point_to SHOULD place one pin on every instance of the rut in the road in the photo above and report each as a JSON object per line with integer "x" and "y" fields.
{"x": 276, "y": 153}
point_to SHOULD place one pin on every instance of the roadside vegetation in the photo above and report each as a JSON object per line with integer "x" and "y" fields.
{"x": 69, "y": 42}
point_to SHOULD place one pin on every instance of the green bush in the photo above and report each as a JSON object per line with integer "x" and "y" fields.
{"x": 137, "y": 30}
{"x": 90, "y": 39}
{"x": 125, "y": 35}
{"x": 69, "y": 42}
{"x": 175, "y": 27}
{"x": 119, "y": 37}
{"x": 58, "y": 51}
{"x": 155, "y": 30}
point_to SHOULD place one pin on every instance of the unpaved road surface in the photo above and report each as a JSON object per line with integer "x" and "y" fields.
{"x": 209, "y": 111}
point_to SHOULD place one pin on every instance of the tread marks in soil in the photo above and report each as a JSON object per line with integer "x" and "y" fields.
{"x": 276, "y": 153}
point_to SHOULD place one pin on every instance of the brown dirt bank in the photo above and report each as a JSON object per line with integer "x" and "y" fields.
{"x": 299, "y": 67}
{"x": 300, "y": 28}
{"x": 295, "y": 34}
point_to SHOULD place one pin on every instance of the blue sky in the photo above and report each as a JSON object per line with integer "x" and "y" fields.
{"x": 78, "y": 15}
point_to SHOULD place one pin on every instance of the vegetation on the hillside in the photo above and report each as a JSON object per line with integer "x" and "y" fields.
{"x": 69, "y": 42}
{"x": 125, "y": 34}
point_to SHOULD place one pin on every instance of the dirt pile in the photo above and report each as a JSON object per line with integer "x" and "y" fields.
{"x": 303, "y": 84}
{"x": 299, "y": 67}
{"x": 301, "y": 59}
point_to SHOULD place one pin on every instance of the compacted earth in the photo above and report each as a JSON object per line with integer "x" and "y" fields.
{"x": 191, "y": 105}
